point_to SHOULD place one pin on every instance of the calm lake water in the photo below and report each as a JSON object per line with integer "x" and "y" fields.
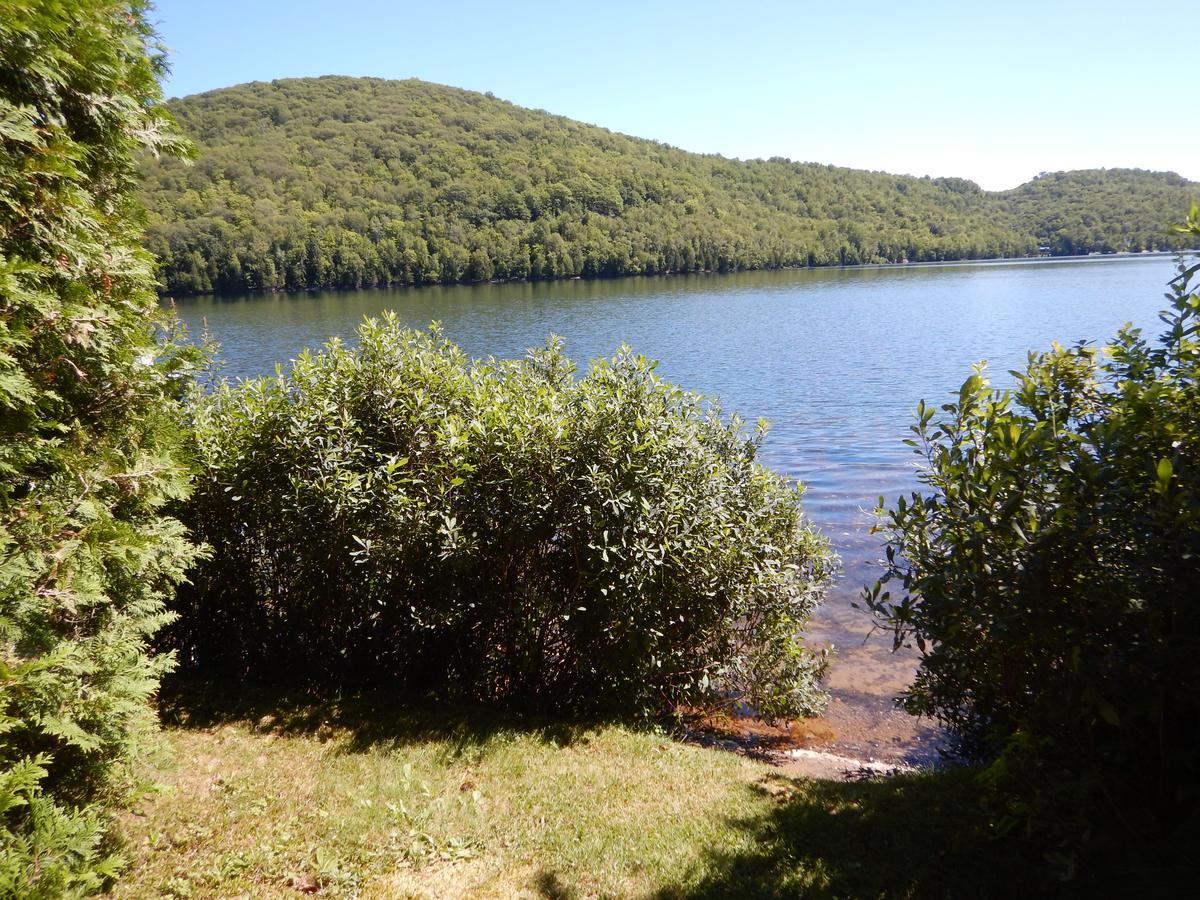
{"x": 836, "y": 359}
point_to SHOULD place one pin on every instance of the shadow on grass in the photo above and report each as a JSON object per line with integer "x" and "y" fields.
{"x": 552, "y": 887}
{"x": 910, "y": 836}
{"x": 914, "y": 836}
{"x": 369, "y": 719}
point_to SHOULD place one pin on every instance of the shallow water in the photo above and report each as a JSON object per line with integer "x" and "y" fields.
{"x": 836, "y": 359}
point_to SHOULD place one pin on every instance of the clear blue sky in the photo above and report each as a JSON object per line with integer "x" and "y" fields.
{"x": 995, "y": 92}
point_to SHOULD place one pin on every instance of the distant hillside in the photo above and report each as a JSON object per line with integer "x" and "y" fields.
{"x": 354, "y": 181}
{"x": 1101, "y": 210}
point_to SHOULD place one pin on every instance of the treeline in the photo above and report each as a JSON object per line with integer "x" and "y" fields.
{"x": 349, "y": 182}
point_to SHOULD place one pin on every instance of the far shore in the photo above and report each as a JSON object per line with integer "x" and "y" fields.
{"x": 980, "y": 261}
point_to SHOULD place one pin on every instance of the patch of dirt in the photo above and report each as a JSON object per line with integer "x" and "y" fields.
{"x": 485, "y": 879}
{"x": 856, "y": 738}
{"x": 862, "y": 731}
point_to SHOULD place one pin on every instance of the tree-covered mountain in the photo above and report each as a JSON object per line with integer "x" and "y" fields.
{"x": 357, "y": 181}
{"x": 1101, "y": 210}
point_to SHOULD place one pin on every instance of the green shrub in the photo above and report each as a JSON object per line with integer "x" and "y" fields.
{"x": 90, "y": 434}
{"x": 1050, "y": 576}
{"x": 504, "y": 531}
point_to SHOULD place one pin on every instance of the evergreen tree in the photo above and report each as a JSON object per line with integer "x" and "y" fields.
{"x": 90, "y": 437}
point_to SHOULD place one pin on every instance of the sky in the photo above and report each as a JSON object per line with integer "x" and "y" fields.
{"x": 996, "y": 92}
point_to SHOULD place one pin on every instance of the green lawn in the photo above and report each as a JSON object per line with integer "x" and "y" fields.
{"x": 275, "y": 798}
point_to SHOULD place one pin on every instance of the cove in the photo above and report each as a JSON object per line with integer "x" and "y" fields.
{"x": 835, "y": 359}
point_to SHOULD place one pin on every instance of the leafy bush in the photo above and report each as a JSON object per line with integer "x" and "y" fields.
{"x": 396, "y": 514}
{"x": 90, "y": 434}
{"x": 1050, "y": 577}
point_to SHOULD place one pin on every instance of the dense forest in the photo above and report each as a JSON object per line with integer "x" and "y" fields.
{"x": 349, "y": 182}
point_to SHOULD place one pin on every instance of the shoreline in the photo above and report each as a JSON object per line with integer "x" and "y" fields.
{"x": 980, "y": 261}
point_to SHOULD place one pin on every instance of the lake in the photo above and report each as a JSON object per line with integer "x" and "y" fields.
{"x": 836, "y": 359}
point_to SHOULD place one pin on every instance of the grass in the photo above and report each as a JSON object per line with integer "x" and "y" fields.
{"x": 274, "y": 798}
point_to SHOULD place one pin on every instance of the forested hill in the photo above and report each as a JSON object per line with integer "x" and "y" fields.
{"x": 354, "y": 181}
{"x": 1101, "y": 210}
